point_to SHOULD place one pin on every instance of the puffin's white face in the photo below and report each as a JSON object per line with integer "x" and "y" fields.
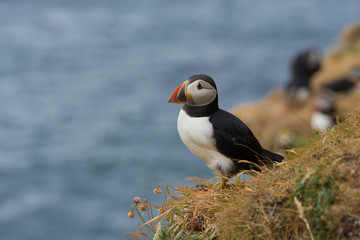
{"x": 196, "y": 93}
{"x": 201, "y": 92}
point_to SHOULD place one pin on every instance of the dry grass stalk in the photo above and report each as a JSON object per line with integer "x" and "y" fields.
{"x": 302, "y": 216}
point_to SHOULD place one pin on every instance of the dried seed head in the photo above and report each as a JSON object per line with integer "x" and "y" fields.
{"x": 157, "y": 190}
{"x": 142, "y": 207}
{"x": 131, "y": 213}
{"x": 161, "y": 210}
{"x": 137, "y": 200}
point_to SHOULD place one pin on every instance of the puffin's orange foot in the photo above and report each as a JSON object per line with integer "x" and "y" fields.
{"x": 222, "y": 183}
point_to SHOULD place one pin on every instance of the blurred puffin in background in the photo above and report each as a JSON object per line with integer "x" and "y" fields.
{"x": 217, "y": 137}
{"x": 304, "y": 65}
{"x": 324, "y": 114}
{"x": 344, "y": 84}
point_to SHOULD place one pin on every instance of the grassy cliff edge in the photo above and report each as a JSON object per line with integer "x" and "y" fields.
{"x": 313, "y": 194}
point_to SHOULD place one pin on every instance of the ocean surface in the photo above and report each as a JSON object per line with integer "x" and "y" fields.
{"x": 84, "y": 120}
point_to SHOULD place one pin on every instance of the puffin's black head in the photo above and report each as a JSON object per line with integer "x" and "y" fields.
{"x": 198, "y": 90}
{"x": 203, "y": 77}
{"x": 306, "y": 63}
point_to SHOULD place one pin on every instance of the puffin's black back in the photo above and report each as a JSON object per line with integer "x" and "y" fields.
{"x": 342, "y": 85}
{"x": 236, "y": 141}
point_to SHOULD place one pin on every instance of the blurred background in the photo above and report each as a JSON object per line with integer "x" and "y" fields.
{"x": 84, "y": 121}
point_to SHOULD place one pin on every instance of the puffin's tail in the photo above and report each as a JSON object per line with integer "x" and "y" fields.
{"x": 272, "y": 156}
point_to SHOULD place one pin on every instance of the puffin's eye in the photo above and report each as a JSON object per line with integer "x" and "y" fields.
{"x": 199, "y": 86}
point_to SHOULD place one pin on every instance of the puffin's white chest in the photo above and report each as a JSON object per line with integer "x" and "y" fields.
{"x": 321, "y": 121}
{"x": 197, "y": 135}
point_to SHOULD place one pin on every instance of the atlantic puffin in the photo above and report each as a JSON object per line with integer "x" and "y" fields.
{"x": 324, "y": 115}
{"x": 304, "y": 65}
{"x": 216, "y": 136}
{"x": 345, "y": 84}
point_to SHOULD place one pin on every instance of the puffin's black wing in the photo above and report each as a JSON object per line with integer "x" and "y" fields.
{"x": 342, "y": 85}
{"x": 236, "y": 141}
{"x": 233, "y": 138}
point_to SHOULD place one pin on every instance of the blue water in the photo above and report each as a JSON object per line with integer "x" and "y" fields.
{"x": 84, "y": 121}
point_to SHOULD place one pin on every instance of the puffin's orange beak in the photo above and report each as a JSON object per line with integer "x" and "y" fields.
{"x": 180, "y": 95}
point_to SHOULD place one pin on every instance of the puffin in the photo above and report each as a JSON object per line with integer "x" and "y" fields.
{"x": 304, "y": 65}
{"x": 216, "y": 136}
{"x": 345, "y": 84}
{"x": 324, "y": 115}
